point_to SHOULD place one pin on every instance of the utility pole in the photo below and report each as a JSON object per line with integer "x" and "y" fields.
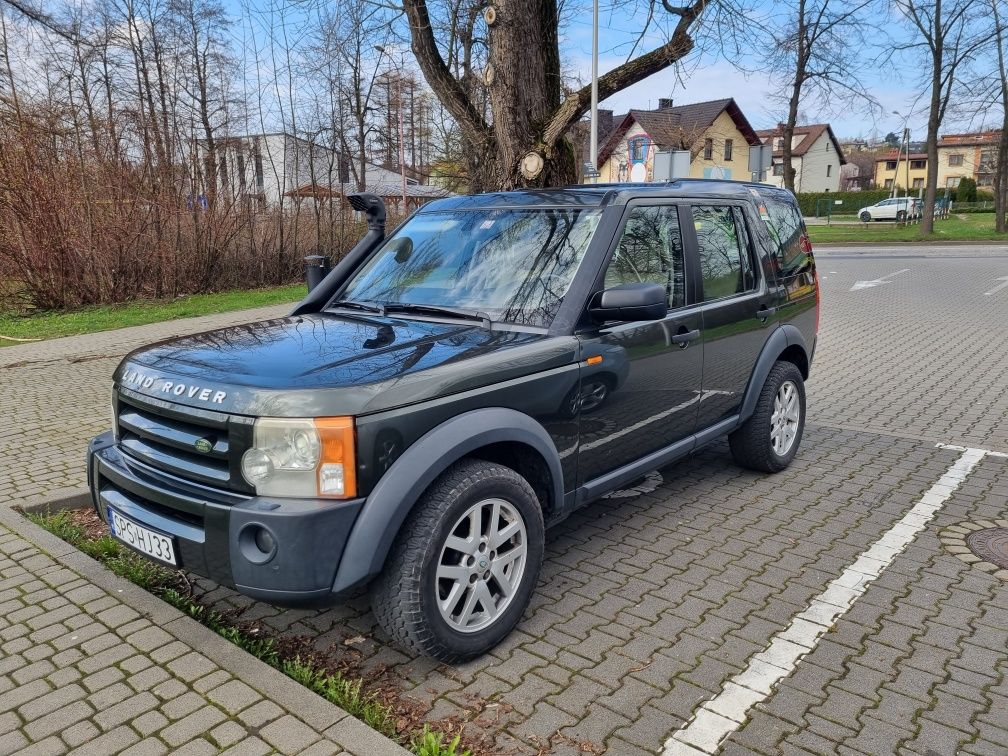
{"x": 593, "y": 141}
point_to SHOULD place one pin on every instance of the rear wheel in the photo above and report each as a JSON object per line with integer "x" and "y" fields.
{"x": 865, "y": 216}
{"x": 769, "y": 440}
{"x": 901, "y": 216}
{"x": 464, "y": 565}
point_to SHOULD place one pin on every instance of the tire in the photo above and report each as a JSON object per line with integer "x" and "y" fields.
{"x": 865, "y": 217}
{"x": 901, "y": 216}
{"x": 753, "y": 445}
{"x": 406, "y": 597}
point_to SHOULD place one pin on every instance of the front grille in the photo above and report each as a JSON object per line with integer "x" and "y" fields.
{"x": 166, "y": 437}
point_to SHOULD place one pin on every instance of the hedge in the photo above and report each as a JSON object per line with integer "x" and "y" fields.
{"x": 854, "y": 201}
{"x": 851, "y": 201}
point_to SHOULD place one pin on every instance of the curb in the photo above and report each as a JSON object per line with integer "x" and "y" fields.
{"x": 56, "y": 501}
{"x": 344, "y": 730}
{"x": 916, "y": 243}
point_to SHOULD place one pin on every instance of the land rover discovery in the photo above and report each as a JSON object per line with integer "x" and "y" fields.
{"x": 448, "y": 392}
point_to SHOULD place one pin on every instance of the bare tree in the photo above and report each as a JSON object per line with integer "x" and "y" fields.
{"x": 812, "y": 51}
{"x": 524, "y": 140}
{"x": 946, "y": 36}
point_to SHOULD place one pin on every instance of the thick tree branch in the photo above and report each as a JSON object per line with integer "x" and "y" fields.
{"x": 577, "y": 103}
{"x": 437, "y": 73}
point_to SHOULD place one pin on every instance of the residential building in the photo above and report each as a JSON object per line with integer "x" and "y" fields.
{"x": 816, "y": 157}
{"x": 960, "y": 156}
{"x": 716, "y": 134}
{"x": 892, "y": 170}
{"x": 279, "y": 169}
{"x": 967, "y": 156}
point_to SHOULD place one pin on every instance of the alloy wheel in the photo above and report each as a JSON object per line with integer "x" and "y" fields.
{"x": 784, "y": 420}
{"x": 481, "y": 565}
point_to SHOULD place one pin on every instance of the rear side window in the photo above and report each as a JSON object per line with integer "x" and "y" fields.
{"x": 651, "y": 251}
{"x": 792, "y": 254}
{"x": 725, "y": 263}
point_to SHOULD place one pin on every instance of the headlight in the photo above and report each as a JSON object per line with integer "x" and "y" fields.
{"x": 302, "y": 457}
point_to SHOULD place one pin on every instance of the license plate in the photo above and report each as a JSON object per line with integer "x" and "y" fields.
{"x": 153, "y": 544}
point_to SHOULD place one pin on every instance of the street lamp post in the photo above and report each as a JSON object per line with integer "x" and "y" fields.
{"x": 402, "y": 145}
{"x": 593, "y": 141}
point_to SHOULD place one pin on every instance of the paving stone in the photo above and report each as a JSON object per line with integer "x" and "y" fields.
{"x": 288, "y": 734}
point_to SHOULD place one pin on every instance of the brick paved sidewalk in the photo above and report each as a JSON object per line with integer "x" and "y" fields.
{"x": 91, "y": 662}
{"x": 54, "y": 396}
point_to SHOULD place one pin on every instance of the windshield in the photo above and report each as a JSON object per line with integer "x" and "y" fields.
{"x": 513, "y": 265}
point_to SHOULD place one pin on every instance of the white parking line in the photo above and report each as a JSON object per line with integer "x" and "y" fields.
{"x": 723, "y": 714}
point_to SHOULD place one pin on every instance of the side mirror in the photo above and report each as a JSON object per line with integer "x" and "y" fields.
{"x": 636, "y": 301}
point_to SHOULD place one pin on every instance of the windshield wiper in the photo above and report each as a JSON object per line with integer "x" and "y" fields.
{"x": 350, "y": 304}
{"x": 452, "y": 312}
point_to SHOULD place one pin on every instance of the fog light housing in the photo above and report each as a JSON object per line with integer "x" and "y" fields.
{"x": 257, "y": 543}
{"x": 264, "y": 541}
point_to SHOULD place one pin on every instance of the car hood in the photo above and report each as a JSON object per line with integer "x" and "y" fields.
{"x": 335, "y": 364}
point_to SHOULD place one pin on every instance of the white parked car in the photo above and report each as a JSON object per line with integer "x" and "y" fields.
{"x": 897, "y": 208}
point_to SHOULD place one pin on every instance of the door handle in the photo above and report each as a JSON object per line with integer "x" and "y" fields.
{"x": 765, "y": 312}
{"x": 684, "y": 338}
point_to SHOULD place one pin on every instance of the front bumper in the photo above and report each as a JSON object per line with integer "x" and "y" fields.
{"x": 212, "y": 527}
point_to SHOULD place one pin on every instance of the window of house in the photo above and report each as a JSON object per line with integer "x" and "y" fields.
{"x": 918, "y": 183}
{"x": 651, "y": 251}
{"x": 829, "y": 169}
{"x": 918, "y": 164}
{"x": 888, "y": 183}
{"x": 890, "y": 165}
{"x": 708, "y": 149}
{"x": 725, "y": 262}
{"x": 727, "y": 149}
{"x": 778, "y": 169}
{"x": 955, "y": 159}
{"x": 953, "y": 181}
{"x": 778, "y": 144}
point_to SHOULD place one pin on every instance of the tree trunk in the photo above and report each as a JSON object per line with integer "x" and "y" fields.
{"x": 1001, "y": 171}
{"x": 801, "y": 60}
{"x": 934, "y": 122}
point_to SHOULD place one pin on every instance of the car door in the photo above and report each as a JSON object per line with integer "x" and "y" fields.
{"x": 640, "y": 381}
{"x": 738, "y": 306}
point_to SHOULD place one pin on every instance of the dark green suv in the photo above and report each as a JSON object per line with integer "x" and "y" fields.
{"x": 448, "y": 392}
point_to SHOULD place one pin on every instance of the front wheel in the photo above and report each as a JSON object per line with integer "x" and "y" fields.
{"x": 464, "y": 565}
{"x": 769, "y": 440}
{"x": 865, "y": 217}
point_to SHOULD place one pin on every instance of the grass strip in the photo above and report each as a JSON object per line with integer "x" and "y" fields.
{"x": 966, "y": 227}
{"x": 347, "y": 693}
{"x": 49, "y": 325}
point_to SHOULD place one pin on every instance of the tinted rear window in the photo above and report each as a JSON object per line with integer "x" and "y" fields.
{"x": 786, "y": 228}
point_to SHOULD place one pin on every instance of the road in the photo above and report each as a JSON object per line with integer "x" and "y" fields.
{"x": 666, "y": 616}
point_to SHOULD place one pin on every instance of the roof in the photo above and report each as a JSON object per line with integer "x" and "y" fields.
{"x": 810, "y": 134}
{"x": 600, "y": 195}
{"x": 678, "y": 127}
{"x": 901, "y": 157}
{"x": 969, "y": 140}
{"x": 382, "y": 190}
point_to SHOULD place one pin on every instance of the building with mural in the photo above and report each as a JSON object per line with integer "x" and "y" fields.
{"x": 716, "y": 134}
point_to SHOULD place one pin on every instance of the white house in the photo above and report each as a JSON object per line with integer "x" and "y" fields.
{"x": 279, "y": 168}
{"x": 815, "y": 155}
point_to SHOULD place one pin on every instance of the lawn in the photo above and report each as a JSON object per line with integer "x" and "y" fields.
{"x": 966, "y": 227}
{"x": 50, "y": 325}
